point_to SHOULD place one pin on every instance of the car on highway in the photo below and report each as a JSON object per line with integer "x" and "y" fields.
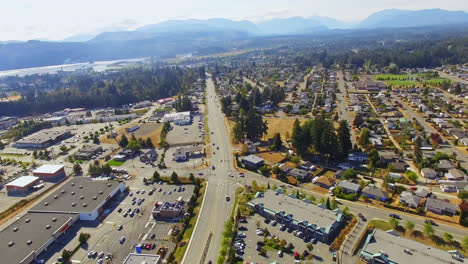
{"x": 230, "y": 174}
{"x": 212, "y": 167}
{"x": 362, "y": 217}
{"x": 241, "y": 174}
{"x": 228, "y": 198}
{"x": 200, "y": 173}
{"x": 430, "y": 221}
{"x": 395, "y": 216}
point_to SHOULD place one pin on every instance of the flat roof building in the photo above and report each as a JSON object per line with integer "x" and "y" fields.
{"x": 88, "y": 151}
{"x": 168, "y": 211}
{"x": 135, "y": 258}
{"x": 310, "y": 219}
{"x": 22, "y": 185}
{"x": 43, "y": 139}
{"x": 81, "y": 195}
{"x": 50, "y": 172}
{"x": 383, "y": 247}
{"x": 23, "y": 240}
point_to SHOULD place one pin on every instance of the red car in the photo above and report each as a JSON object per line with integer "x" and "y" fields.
{"x": 296, "y": 255}
{"x": 148, "y": 246}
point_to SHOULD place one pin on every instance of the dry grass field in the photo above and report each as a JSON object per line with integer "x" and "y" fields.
{"x": 151, "y": 130}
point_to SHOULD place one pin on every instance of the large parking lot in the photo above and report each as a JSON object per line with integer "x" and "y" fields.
{"x": 137, "y": 227}
{"x": 321, "y": 253}
{"x": 189, "y": 134}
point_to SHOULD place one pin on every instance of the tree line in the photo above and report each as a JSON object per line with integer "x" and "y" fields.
{"x": 105, "y": 90}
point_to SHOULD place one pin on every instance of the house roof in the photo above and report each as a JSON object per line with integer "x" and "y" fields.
{"x": 422, "y": 192}
{"x": 349, "y": 185}
{"x": 446, "y": 164}
{"x": 409, "y": 198}
{"x": 428, "y": 173}
{"x": 253, "y": 159}
{"x": 329, "y": 181}
{"x": 439, "y": 204}
{"x": 455, "y": 174}
{"x": 373, "y": 190}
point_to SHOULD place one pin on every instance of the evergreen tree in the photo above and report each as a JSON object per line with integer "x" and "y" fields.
{"x": 328, "y": 203}
{"x": 417, "y": 155}
{"x": 156, "y": 176}
{"x": 277, "y": 142}
{"x": 358, "y": 121}
{"x": 77, "y": 168}
{"x": 296, "y": 136}
{"x": 174, "y": 177}
{"x": 344, "y": 139}
{"x": 123, "y": 141}
{"x": 364, "y": 137}
{"x": 149, "y": 143}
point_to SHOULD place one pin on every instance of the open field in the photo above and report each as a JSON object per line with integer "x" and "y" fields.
{"x": 114, "y": 163}
{"x": 10, "y": 98}
{"x": 438, "y": 81}
{"x": 151, "y": 130}
{"x": 280, "y": 125}
{"x": 400, "y": 83}
{"x": 388, "y": 77}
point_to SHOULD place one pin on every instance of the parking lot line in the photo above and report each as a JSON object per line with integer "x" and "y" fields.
{"x": 110, "y": 223}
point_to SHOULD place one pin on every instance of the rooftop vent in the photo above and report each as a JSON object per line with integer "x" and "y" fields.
{"x": 81, "y": 187}
{"x": 46, "y": 203}
{"x": 54, "y": 219}
{"x": 62, "y": 191}
{"x": 47, "y": 226}
{"x": 81, "y": 197}
{"x": 94, "y": 198}
{"x": 28, "y": 220}
{"x": 15, "y": 229}
{"x": 72, "y": 193}
{"x": 29, "y": 242}
{"x": 84, "y": 205}
{"x": 11, "y": 243}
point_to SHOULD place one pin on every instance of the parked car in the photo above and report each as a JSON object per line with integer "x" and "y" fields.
{"x": 274, "y": 223}
{"x": 395, "y": 216}
{"x": 430, "y": 221}
{"x": 280, "y": 254}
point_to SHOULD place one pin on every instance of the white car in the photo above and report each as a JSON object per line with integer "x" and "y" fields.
{"x": 230, "y": 174}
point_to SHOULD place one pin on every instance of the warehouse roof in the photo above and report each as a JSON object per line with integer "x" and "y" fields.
{"x": 23, "y": 181}
{"x": 402, "y": 250}
{"x": 81, "y": 194}
{"x": 134, "y": 258}
{"x": 35, "y": 227}
{"x": 48, "y": 169}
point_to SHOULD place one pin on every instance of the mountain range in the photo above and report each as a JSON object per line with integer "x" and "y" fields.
{"x": 172, "y": 37}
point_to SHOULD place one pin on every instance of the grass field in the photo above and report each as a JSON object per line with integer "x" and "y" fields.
{"x": 280, "y": 125}
{"x": 389, "y": 77}
{"x": 400, "y": 83}
{"x": 114, "y": 163}
{"x": 438, "y": 81}
{"x": 151, "y": 130}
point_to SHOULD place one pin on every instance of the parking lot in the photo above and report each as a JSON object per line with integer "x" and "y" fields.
{"x": 189, "y": 134}
{"x": 137, "y": 227}
{"x": 320, "y": 251}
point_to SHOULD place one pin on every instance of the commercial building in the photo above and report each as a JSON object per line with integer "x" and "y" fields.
{"x": 43, "y": 139}
{"x": 135, "y": 258}
{"x": 81, "y": 195}
{"x": 312, "y": 220}
{"x": 87, "y": 152}
{"x": 184, "y": 153}
{"x": 6, "y": 122}
{"x": 179, "y": 118}
{"x": 33, "y": 233}
{"x": 383, "y": 247}
{"x": 169, "y": 211}
{"x": 50, "y": 172}
{"x": 22, "y": 185}
{"x": 253, "y": 161}
{"x": 56, "y": 120}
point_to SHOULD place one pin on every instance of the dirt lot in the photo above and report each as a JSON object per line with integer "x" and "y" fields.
{"x": 280, "y": 125}
{"x": 11, "y": 98}
{"x": 152, "y": 130}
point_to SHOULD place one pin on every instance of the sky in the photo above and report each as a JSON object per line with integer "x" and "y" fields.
{"x": 59, "y": 19}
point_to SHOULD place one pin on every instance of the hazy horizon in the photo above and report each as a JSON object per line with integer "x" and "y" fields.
{"x": 57, "y": 20}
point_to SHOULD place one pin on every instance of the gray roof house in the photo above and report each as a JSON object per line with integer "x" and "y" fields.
{"x": 374, "y": 192}
{"x": 428, "y": 173}
{"x": 299, "y": 174}
{"x": 446, "y": 165}
{"x": 455, "y": 175}
{"x": 409, "y": 199}
{"x": 422, "y": 192}
{"x": 440, "y": 207}
{"x": 349, "y": 187}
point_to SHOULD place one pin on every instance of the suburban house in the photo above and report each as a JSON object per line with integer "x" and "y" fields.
{"x": 409, "y": 199}
{"x": 308, "y": 166}
{"x": 440, "y": 207}
{"x": 373, "y": 192}
{"x": 325, "y": 182}
{"x": 388, "y": 158}
{"x": 422, "y": 192}
{"x": 445, "y": 165}
{"x": 253, "y": 161}
{"x": 398, "y": 166}
{"x": 428, "y": 173}
{"x": 349, "y": 187}
{"x": 455, "y": 175}
{"x": 464, "y": 141}
{"x": 358, "y": 156}
{"x": 301, "y": 175}
{"x": 339, "y": 174}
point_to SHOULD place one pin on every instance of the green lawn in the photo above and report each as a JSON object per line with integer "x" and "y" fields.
{"x": 114, "y": 163}
{"x": 400, "y": 83}
{"x": 438, "y": 81}
{"x": 384, "y": 225}
{"x": 386, "y": 77}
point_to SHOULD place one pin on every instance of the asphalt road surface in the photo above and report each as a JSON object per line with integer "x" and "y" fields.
{"x": 215, "y": 210}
